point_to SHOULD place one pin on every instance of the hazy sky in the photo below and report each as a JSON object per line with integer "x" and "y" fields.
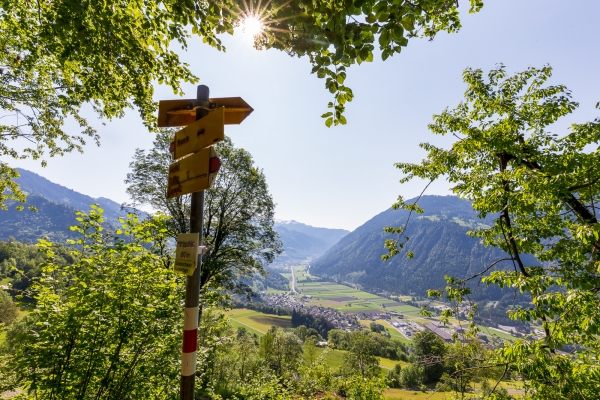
{"x": 341, "y": 177}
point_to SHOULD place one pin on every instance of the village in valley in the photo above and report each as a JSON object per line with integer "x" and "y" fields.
{"x": 349, "y": 308}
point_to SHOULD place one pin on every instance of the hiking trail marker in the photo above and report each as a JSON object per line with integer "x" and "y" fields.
{"x": 186, "y": 253}
{"x": 195, "y": 169}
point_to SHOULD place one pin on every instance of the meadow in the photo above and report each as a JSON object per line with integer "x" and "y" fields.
{"x": 347, "y": 299}
{"x": 257, "y": 322}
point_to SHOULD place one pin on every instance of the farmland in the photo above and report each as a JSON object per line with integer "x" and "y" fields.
{"x": 257, "y": 322}
{"x": 350, "y": 300}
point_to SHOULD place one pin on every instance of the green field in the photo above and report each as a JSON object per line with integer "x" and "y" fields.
{"x": 257, "y": 322}
{"x": 335, "y": 359}
{"x": 394, "y": 334}
{"x": 302, "y": 275}
{"x": 350, "y": 300}
{"x": 328, "y": 294}
{"x": 493, "y": 332}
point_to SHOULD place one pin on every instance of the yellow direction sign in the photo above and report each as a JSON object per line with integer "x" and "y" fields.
{"x": 182, "y": 112}
{"x": 193, "y": 173}
{"x": 186, "y": 253}
{"x": 202, "y": 133}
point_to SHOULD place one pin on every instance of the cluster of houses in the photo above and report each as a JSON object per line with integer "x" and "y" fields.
{"x": 338, "y": 319}
{"x": 350, "y": 321}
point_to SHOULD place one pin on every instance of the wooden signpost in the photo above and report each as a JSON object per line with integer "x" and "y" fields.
{"x": 194, "y": 170}
{"x": 193, "y": 173}
{"x": 182, "y": 112}
{"x": 200, "y": 134}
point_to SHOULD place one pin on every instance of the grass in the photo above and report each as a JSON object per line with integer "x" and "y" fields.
{"x": 493, "y": 332}
{"x": 335, "y": 359}
{"x": 401, "y": 394}
{"x": 258, "y": 322}
{"x": 237, "y": 324}
{"x": 275, "y": 291}
{"x": 394, "y": 334}
{"x": 389, "y": 364}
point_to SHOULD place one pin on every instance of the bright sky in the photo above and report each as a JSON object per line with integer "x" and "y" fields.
{"x": 341, "y": 177}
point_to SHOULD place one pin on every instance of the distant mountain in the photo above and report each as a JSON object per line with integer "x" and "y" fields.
{"x": 33, "y": 183}
{"x": 327, "y": 235}
{"x": 56, "y": 207}
{"x": 438, "y": 239}
{"x": 57, "y": 204}
{"x": 52, "y": 221}
{"x": 303, "y": 242}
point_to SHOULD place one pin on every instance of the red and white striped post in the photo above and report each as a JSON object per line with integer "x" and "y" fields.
{"x": 192, "y": 288}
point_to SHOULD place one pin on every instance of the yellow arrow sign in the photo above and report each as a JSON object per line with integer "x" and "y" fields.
{"x": 182, "y": 112}
{"x": 200, "y": 134}
{"x": 191, "y": 174}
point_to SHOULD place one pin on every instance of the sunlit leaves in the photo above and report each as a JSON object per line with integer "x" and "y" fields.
{"x": 542, "y": 190}
{"x": 335, "y": 34}
{"x": 108, "y": 322}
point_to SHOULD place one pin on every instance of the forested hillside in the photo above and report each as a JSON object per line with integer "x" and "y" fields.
{"x": 438, "y": 239}
{"x": 52, "y": 220}
{"x": 33, "y": 183}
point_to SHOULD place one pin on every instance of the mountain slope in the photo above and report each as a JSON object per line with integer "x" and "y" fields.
{"x": 33, "y": 183}
{"x": 303, "y": 242}
{"x": 438, "y": 238}
{"x": 57, "y": 204}
{"x": 52, "y": 221}
{"x": 327, "y": 235}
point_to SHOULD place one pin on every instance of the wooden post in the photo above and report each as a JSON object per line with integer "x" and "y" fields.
{"x": 192, "y": 288}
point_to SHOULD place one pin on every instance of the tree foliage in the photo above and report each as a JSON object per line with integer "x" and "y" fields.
{"x": 542, "y": 189}
{"x": 281, "y": 350}
{"x": 21, "y": 262}
{"x": 8, "y": 310}
{"x": 238, "y": 212}
{"x": 430, "y": 351}
{"x": 360, "y": 358}
{"x": 105, "y": 326}
{"x": 57, "y": 57}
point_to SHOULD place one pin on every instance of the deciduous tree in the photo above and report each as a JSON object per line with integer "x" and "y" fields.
{"x": 238, "y": 214}
{"x": 430, "y": 351}
{"x": 542, "y": 189}
{"x": 107, "y": 326}
{"x": 56, "y": 57}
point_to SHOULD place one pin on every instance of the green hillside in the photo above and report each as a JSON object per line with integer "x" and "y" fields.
{"x": 438, "y": 239}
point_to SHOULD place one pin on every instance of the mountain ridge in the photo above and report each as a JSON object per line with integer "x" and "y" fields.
{"x": 32, "y": 183}
{"x": 437, "y": 237}
{"x": 57, "y": 205}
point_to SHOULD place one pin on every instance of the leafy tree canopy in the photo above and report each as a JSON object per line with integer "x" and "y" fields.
{"x": 542, "y": 189}
{"x": 238, "y": 213}
{"x": 105, "y": 326}
{"x": 56, "y": 57}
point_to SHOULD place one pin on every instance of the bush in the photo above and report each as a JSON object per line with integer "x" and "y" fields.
{"x": 412, "y": 376}
{"x": 8, "y": 309}
{"x": 106, "y": 326}
{"x": 392, "y": 378}
{"x": 359, "y": 388}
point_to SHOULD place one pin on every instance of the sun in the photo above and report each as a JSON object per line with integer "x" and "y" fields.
{"x": 252, "y": 25}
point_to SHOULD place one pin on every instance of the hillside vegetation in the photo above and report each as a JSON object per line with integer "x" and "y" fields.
{"x": 438, "y": 239}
